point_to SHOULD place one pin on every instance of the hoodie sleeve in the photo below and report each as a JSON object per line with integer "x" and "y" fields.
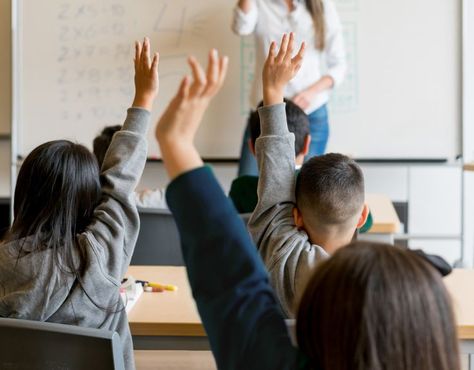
{"x": 286, "y": 251}
{"x": 114, "y": 229}
{"x": 242, "y": 319}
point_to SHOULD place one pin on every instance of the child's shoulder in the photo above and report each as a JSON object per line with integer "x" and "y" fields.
{"x": 243, "y": 193}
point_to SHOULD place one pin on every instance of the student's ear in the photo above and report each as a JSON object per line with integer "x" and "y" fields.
{"x": 307, "y": 143}
{"x": 298, "y": 218}
{"x": 251, "y": 146}
{"x": 363, "y": 216}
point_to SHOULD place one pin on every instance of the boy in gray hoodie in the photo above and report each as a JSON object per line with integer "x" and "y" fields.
{"x": 302, "y": 219}
{"x": 73, "y": 237}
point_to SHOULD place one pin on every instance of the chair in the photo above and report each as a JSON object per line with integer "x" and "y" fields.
{"x": 43, "y": 346}
{"x": 158, "y": 241}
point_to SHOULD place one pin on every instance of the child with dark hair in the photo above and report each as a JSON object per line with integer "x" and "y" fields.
{"x": 370, "y": 306}
{"x": 102, "y": 142}
{"x": 73, "y": 236}
{"x": 243, "y": 191}
{"x": 148, "y": 198}
{"x": 299, "y": 220}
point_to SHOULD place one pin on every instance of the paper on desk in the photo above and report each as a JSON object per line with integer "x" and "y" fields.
{"x": 130, "y": 291}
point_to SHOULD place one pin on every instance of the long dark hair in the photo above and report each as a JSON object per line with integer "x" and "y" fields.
{"x": 57, "y": 189}
{"x": 377, "y": 307}
{"x": 316, "y": 9}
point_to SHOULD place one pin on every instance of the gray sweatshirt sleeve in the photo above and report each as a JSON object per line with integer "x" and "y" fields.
{"x": 114, "y": 230}
{"x": 286, "y": 251}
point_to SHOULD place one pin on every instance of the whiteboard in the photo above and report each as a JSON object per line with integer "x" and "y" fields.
{"x": 401, "y": 97}
{"x": 402, "y": 94}
{"x": 77, "y": 71}
{"x": 468, "y": 80}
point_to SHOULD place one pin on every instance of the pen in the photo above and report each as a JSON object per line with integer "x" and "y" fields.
{"x": 169, "y": 287}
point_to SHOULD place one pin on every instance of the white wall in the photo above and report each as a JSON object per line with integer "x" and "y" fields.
{"x": 5, "y": 66}
{"x": 4, "y": 169}
{"x": 433, "y": 193}
{"x": 5, "y": 97}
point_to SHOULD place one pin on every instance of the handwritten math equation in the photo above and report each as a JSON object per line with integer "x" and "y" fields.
{"x": 95, "y": 50}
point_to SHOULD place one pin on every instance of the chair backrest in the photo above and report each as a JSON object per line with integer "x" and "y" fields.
{"x": 39, "y": 345}
{"x": 158, "y": 241}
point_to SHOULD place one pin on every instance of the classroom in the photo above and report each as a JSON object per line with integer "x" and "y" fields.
{"x": 245, "y": 184}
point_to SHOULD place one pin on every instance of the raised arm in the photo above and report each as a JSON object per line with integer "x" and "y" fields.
{"x": 275, "y": 146}
{"x": 286, "y": 251}
{"x": 245, "y": 17}
{"x": 114, "y": 230}
{"x": 229, "y": 283}
{"x": 245, "y": 5}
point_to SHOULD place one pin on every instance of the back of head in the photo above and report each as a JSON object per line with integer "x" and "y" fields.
{"x": 102, "y": 142}
{"x": 330, "y": 192}
{"x": 377, "y": 307}
{"x": 297, "y": 121}
{"x": 56, "y": 193}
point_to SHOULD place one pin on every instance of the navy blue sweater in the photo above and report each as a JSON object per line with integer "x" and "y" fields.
{"x": 240, "y": 314}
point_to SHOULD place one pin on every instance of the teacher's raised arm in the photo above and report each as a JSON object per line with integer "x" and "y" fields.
{"x": 314, "y": 22}
{"x": 245, "y": 17}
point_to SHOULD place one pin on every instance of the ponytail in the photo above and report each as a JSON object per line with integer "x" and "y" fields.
{"x": 316, "y": 9}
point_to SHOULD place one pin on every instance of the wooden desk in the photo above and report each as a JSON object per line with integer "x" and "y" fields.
{"x": 176, "y": 360}
{"x": 460, "y": 284}
{"x": 385, "y": 217}
{"x": 170, "y": 321}
{"x": 167, "y": 320}
{"x": 386, "y": 221}
{"x": 469, "y": 167}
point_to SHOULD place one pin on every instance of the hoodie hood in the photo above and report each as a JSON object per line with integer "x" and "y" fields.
{"x": 32, "y": 286}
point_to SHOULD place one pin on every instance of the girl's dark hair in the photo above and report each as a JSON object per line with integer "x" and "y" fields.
{"x": 377, "y": 307}
{"x": 57, "y": 190}
{"x": 316, "y": 9}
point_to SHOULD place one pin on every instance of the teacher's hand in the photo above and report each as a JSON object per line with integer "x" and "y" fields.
{"x": 304, "y": 98}
{"x": 280, "y": 67}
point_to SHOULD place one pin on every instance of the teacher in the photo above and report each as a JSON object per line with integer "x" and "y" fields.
{"x": 317, "y": 23}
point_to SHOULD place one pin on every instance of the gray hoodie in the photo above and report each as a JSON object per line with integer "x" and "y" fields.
{"x": 32, "y": 287}
{"x": 286, "y": 251}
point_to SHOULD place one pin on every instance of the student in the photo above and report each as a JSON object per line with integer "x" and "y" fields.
{"x": 299, "y": 221}
{"x": 390, "y": 309}
{"x": 73, "y": 236}
{"x": 147, "y": 198}
{"x": 243, "y": 191}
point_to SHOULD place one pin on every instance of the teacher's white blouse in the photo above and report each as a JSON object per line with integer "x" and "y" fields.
{"x": 269, "y": 19}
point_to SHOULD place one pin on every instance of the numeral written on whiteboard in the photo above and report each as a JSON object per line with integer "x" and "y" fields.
{"x": 67, "y": 11}
{"x": 178, "y": 24}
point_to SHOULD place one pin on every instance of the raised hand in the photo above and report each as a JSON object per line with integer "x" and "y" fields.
{"x": 177, "y": 126}
{"x": 280, "y": 68}
{"x": 146, "y": 75}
